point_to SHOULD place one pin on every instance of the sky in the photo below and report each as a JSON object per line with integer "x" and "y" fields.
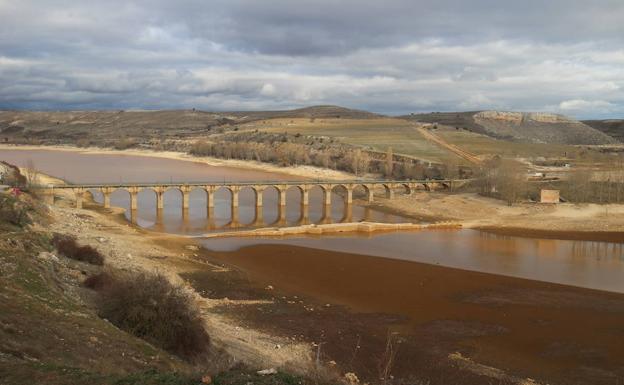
{"x": 391, "y": 57}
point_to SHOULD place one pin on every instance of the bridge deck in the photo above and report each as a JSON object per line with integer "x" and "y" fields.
{"x": 249, "y": 183}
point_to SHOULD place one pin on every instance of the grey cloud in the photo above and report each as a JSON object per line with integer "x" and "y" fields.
{"x": 393, "y": 57}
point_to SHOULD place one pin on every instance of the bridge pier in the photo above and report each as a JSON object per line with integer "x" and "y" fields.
{"x": 349, "y": 198}
{"x": 235, "y": 190}
{"x": 348, "y": 213}
{"x": 160, "y": 197}
{"x": 159, "y": 214}
{"x": 79, "y": 193}
{"x": 281, "y": 192}
{"x": 134, "y": 192}
{"x": 186, "y": 195}
{"x": 106, "y": 193}
{"x": 259, "y": 218}
{"x": 327, "y": 196}
{"x": 210, "y": 190}
{"x": 281, "y": 215}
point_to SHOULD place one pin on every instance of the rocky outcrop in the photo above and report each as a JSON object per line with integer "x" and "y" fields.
{"x": 537, "y": 127}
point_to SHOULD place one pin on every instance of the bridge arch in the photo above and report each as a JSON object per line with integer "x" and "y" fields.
{"x": 388, "y": 189}
{"x": 249, "y": 209}
{"x": 94, "y": 194}
{"x": 362, "y": 191}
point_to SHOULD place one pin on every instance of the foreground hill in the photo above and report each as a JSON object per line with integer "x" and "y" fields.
{"x": 611, "y": 127}
{"x": 519, "y": 126}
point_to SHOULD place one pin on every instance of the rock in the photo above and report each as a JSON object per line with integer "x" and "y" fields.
{"x": 265, "y": 372}
{"x": 269, "y": 287}
{"x": 94, "y": 339}
{"x": 351, "y": 378}
{"x": 191, "y": 247}
{"x": 44, "y": 255}
{"x": 206, "y": 379}
{"x": 278, "y": 346}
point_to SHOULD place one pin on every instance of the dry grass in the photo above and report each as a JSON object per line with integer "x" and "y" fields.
{"x": 377, "y": 134}
{"x": 150, "y": 307}
{"x": 68, "y": 247}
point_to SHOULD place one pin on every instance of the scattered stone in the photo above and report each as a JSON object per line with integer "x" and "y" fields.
{"x": 206, "y": 379}
{"x": 191, "y": 247}
{"x": 351, "y": 378}
{"x": 94, "y": 339}
{"x": 46, "y": 256}
{"x": 265, "y": 372}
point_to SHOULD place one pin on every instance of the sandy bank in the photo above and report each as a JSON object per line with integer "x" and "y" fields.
{"x": 333, "y": 228}
{"x": 127, "y": 247}
{"x": 561, "y": 221}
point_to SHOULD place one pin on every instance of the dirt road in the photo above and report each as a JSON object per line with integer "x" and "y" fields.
{"x": 451, "y": 147}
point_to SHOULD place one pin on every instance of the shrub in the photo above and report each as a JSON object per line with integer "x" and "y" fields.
{"x": 14, "y": 211}
{"x": 124, "y": 143}
{"x": 99, "y": 281}
{"x": 68, "y": 247}
{"x": 149, "y": 307}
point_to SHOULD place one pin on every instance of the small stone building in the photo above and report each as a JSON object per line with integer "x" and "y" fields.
{"x": 549, "y": 196}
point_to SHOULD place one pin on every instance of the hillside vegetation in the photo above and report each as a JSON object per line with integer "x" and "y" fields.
{"x": 611, "y": 127}
{"x": 519, "y": 126}
{"x": 323, "y": 136}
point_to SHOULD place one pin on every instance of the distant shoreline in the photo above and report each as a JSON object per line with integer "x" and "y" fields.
{"x": 301, "y": 171}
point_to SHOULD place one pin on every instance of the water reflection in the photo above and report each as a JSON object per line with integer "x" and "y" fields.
{"x": 596, "y": 265}
{"x": 79, "y": 167}
{"x": 200, "y": 218}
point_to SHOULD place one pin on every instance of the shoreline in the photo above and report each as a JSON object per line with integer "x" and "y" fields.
{"x": 254, "y": 323}
{"x": 299, "y": 171}
{"x": 486, "y": 214}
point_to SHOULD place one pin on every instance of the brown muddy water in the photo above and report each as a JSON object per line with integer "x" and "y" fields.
{"x": 77, "y": 167}
{"x": 539, "y": 308}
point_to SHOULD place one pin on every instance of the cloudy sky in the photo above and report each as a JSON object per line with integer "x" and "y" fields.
{"x": 392, "y": 56}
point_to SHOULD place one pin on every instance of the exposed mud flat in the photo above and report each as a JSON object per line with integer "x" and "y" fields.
{"x": 345, "y": 301}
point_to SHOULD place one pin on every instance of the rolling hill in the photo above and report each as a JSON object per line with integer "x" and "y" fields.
{"x": 519, "y": 126}
{"x": 611, "y": 127}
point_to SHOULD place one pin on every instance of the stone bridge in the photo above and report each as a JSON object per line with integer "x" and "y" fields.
{"x": 344, "y": 188}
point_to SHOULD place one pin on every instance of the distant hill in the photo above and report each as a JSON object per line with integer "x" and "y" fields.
{"x": 519, "y": 126}
{"x": 611, "y": 127}
{"x": 320, "y": 112}
{"x": 70, "y": 125}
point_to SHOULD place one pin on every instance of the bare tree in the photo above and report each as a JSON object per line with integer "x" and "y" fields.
{"x": 389, "y": 162}
{"x": 503, "y": 178}
{"x": 511, "y": 181}
{"x": 32, "y": 175}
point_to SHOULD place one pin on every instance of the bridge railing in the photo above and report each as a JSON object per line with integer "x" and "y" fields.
{"x": 249, "y": 183}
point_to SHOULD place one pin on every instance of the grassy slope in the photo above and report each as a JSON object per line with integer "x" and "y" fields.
{"x": 377, "y": 134}
{"x": 49, "y": 332}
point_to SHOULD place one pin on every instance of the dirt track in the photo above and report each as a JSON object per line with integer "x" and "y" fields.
{"x": 451, "y": 147}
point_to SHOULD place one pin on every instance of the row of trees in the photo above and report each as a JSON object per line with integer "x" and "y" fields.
{"x": 339, "y": 157}
{"x": 507, "y": 179}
